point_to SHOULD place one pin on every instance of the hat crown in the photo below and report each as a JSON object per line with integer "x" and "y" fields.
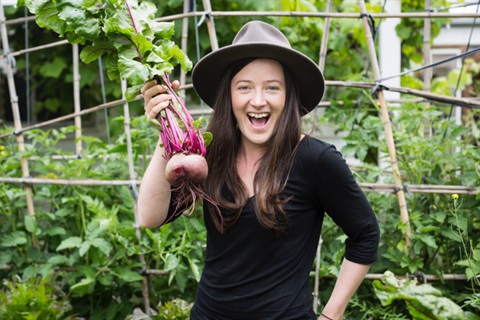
{"x": 260, "y": 32}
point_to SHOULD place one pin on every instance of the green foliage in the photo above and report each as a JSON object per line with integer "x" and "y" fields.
{"x": 410, "y": 30}
{"x": 137, "y": 48}
{"x": 84, "y": 235}
{"x": 423, "y": 301}
{"x": 33, "y": 299}
{"x": 469, "y": 252}
{"x": 176, "y": 309}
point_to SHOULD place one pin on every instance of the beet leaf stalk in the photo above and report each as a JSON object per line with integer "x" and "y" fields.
{"x": 178, "y": 131}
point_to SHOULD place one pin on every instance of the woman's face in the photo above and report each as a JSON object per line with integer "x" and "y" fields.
{"x": 258, "y": 98}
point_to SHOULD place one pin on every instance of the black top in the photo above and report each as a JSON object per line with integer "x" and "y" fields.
{"x": 250, "y": 273}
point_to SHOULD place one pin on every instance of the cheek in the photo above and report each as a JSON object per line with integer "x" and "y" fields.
{"x": 235, "y": 109}
{"x": 237, "y": 103}
{"x": 280, "y": 105}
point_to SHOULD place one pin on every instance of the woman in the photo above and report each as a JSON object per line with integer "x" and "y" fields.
{"x": 272, "y": 184}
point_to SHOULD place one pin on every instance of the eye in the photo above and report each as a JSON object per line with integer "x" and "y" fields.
{"x": 273, "y": 88}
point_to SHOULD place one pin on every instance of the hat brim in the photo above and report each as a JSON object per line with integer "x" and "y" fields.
{"x": 208, "y": 72}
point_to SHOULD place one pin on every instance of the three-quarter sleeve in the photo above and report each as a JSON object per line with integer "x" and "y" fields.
{"x": 346, "y": 204}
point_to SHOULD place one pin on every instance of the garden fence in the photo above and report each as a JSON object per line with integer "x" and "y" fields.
{"x": 376, "y": 87}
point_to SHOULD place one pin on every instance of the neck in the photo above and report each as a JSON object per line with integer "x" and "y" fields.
{"x": 248, "y": 159}
{"x": 250, "y": 154}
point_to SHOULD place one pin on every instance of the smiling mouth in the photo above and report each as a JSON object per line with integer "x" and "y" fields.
{"x": 258, "y": 119}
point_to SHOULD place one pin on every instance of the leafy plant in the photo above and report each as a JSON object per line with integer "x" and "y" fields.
{"x": 102, "y": 283}
{"x": 137, "y": 48}
{"x": 410, "y": 30}
{"x": 33, "y": 299}
{"x": 470, "y": 252}
{"x": 176, "y": 309}
{"x": 423, "y": 301}
{"x": 84, "y": 233}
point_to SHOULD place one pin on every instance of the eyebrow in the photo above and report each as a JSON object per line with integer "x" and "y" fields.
{"x": 268, "y": 81}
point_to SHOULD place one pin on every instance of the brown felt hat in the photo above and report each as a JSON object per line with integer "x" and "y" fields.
{"x": 258, "y": 39}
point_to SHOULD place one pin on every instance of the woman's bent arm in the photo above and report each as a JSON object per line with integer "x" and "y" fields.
{"x": 154, "y": 195}
{"x": 349, "y": 278}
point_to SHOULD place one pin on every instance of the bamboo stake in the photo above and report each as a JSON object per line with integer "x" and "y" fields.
{"x": 20, "y": 20}
{"x": 463, "y": 102}
{"x": 184, "y": 45}
{"x": 37, "y": 48}
{"x": 431, "y": 15}
{"x": 367, "y": 187}
{"x": 427, "y": 60}
{"x": 323, "y": 44}
{"x": 341, "y": 15}
{"x": 388, "y": 128}
{"x": 430, "y": 277}
{"x": 134, "y": 193}
{"x": 323, "y": 55}
{"x": 76, "y": 99}
{"x": 210, "y": 24}
{"x": 368, "y": 276}
{"x": 321, "y": 65}
{"x": 15, "y": 110}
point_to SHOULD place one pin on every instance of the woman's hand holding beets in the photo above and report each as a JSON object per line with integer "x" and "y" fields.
{"x": 155, "y": 98}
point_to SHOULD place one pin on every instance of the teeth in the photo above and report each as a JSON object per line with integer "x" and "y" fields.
{"x": 258, "y": 115}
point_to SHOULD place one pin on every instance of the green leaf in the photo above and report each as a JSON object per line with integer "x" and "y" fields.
{"x": 14, "y": 239}
{"x": 163, "y": 30}
{"x": 95, "y": 51}
{"x": 127, "y": 275}
{"x": 69, "y": 243}
{"x": 132, "y": 92}
{"x": 207, "y": 137}
{"x": 47, "y": 16}
{"x": 32, "y": 5}
{"x": 119, "y": 148}
{"x": 52, "y": 104}
{"x": 403, "y": 31}
{"x": 84, "y": 27}
{"x": 171, "y": 262}
{"x": 181, "y": 57}
{"x": 428, "y": 240}
{"x": 102, "y": 245}
{"x": 30, "y": 223}
{"x": 133, "y": 71}
{"x": 55, "y": 231}
{"x": 86, "y": 285}
{"x": 471, "y": 316}
{"x": 195, "y": 270}
{"x": 59, "y": 260}
{"x": 106, "y": 279}
{"x": 144, "y": 15}
{"x": 54, "y": 68}
{"x": 85, "y": 246}
{"x": 423, "y": 301}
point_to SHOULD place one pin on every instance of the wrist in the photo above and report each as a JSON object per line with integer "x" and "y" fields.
{"x": 323, "y": 316}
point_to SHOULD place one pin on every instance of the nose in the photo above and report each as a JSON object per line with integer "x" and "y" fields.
{"x": 258, "y": 98}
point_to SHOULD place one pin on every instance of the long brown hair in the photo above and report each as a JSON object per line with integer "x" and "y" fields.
{"x": 274, "y": 166}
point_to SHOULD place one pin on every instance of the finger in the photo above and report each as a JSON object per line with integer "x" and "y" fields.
{"x": 153, "y": 95}
{"x": 176, "y": 85}
{"x": 158, "y": 99}
{"x": 148, "y": 85}
{"x": 153, "y": 113}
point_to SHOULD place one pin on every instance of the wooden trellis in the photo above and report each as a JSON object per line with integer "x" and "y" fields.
{"x": 397, "y": 188}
